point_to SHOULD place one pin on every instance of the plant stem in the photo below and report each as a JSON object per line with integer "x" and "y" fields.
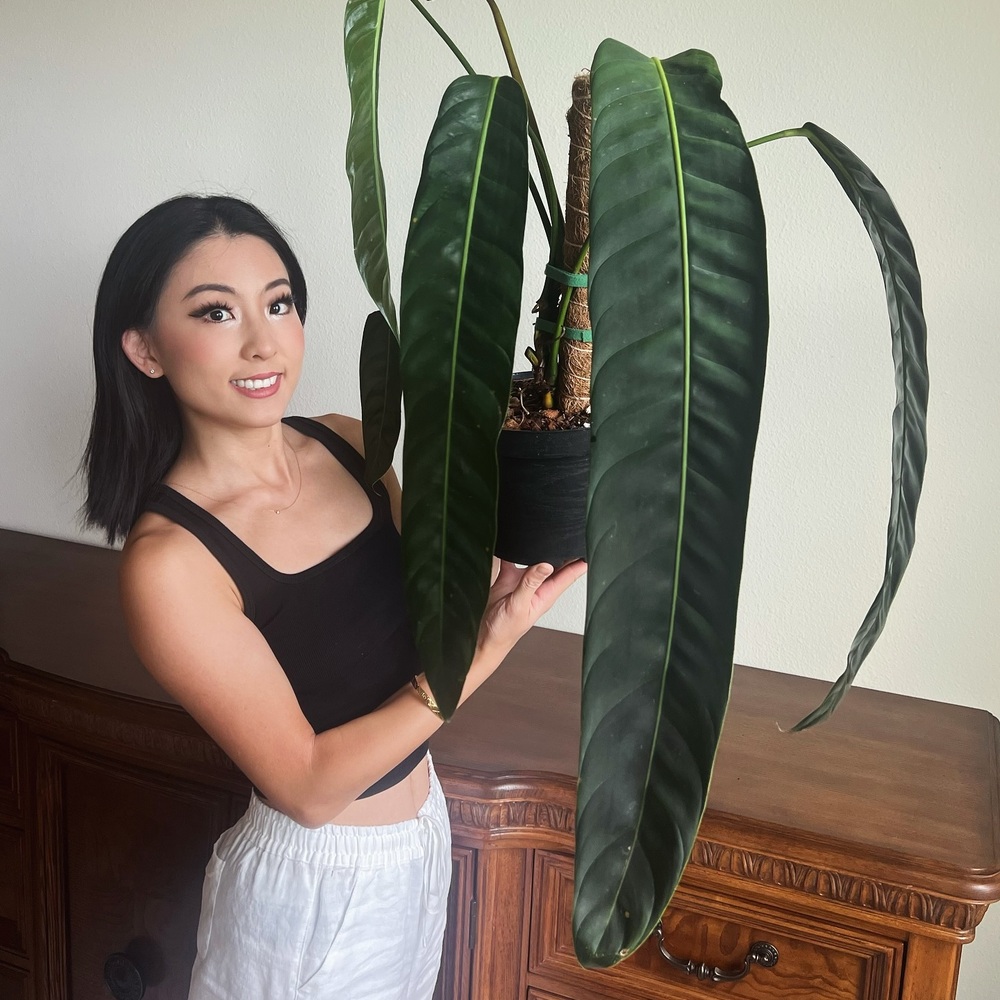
{"x": 844, "y": 176}
{"x": 536, "y": 142}
{"x": 541, "y": 209}
{"x": 548, "y": 183}
{"x": 776, "y": 135}
{"x": 444, "y": 37}
{"x": 508, "y": 51}
{"x": 553, "y": 371}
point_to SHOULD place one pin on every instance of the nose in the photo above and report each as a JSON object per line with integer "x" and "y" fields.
{"x": 258, "y": 341}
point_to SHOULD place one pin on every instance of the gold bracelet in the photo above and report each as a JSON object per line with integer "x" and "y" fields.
{"x": 425, "y": 697}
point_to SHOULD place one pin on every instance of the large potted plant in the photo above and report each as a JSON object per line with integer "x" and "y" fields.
{"x": 677, "y": 291}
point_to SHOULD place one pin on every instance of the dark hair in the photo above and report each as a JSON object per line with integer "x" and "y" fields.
{"x": 135, "y": 431}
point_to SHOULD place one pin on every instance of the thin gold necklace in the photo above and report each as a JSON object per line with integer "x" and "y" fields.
{"x": 274, "y": 510}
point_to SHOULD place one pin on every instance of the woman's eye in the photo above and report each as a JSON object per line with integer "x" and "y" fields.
{"x": 214, "y": 312}
{"x": 282, "y": 306}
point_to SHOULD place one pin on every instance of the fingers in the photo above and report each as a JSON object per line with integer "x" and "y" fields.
{"x": 559, "y": 581}
{"x": 573, "y": 570}
{"x": 541, "y": 584}
{"x": 535, "y": 587}
{"x": 519, "y": 597}
{"x": 535, "y": 576}
{"x": 507, "y": 577}
{"x": 525, "y": 582}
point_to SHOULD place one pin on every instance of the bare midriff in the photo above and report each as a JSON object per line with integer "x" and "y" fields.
{"x": 392, "y": 805}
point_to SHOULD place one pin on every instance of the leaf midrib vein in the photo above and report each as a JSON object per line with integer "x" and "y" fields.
{"x": 470, "y": 216}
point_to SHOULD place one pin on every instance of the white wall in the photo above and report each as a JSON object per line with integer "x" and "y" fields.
{"x": 108, "y": 107}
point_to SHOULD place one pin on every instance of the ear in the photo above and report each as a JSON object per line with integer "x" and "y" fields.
{"x": 139, "y": 351}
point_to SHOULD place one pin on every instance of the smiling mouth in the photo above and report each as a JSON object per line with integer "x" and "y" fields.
{"x": 254, "y": 383}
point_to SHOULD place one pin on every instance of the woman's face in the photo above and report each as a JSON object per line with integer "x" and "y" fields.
{"x": 225, "y": 333}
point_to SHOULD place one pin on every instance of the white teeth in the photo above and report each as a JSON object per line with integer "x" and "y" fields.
{"x": 255, "y": 383}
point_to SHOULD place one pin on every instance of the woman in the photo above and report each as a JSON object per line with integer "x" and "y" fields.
{"x": 262, "y": 587}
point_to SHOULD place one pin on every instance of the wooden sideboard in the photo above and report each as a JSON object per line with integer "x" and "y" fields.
{"x": 864, "y": 852}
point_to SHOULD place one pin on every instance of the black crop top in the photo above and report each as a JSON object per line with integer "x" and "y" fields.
{"x": 339, "y": 629}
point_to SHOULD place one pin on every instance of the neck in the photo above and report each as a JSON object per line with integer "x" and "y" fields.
{"x": 226, "y": 460}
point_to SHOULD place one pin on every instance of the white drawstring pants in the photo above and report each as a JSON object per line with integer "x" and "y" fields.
{"x": 345, "y": 912}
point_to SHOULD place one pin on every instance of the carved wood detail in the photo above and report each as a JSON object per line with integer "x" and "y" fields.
{"x": 838, "y": 886}
{"x": 510, "y": 819}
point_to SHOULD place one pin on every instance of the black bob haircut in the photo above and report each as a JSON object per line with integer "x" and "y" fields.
{"x": 135, "y": 431}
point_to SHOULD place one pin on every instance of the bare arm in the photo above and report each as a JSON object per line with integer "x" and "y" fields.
{"x": 188, "y": 628}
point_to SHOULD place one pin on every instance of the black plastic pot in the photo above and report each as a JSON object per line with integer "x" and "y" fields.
{"x": 542, "y": 507}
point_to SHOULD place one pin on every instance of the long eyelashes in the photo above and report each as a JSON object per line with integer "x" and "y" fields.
{"x": 286, "y": 301}
{"x": 210, "y": 307}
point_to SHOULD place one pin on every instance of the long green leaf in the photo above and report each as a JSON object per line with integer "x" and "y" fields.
{"x": 908, "y": 329}
{"x": 362, "y": 45}
{"x": 381, "y": 395}
{"x": 678, "y": 300}
{"x": 459, "y": 305}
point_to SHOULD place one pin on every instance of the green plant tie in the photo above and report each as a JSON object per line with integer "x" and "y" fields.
{"x": 569, "y": 332}
{"x": 567, "y": 278}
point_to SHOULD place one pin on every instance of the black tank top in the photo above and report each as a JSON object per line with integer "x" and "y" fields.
{"x": 339, "y": 629}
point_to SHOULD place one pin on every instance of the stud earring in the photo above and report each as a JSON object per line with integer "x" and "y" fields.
{"x": 152, "y": 371}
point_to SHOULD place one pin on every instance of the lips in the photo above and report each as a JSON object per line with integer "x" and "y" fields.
{"x": 256, "y": 381}
{"x": 257, "y": 386}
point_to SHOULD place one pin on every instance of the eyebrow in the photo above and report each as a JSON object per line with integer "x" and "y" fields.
{"x": 232, "y": 291}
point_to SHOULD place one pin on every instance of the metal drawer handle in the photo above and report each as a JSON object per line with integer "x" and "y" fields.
{"x": 762, "y": 953}
{"x": 123, "y": 978}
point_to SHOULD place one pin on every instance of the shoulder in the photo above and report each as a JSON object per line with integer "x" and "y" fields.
{"x": 349, "y": 428}
{"x": 160, "y": 558}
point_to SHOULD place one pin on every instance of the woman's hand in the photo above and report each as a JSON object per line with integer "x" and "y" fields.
{"x": 519, "y": 597}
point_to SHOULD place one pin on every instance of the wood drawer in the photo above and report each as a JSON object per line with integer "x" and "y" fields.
{"x": 126, "y": 851}
{"x": 13, "y": 912}
{"x": 13, "y": 983}
{"x": 9, "y": 799}
{"x": 817, "y": 959}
